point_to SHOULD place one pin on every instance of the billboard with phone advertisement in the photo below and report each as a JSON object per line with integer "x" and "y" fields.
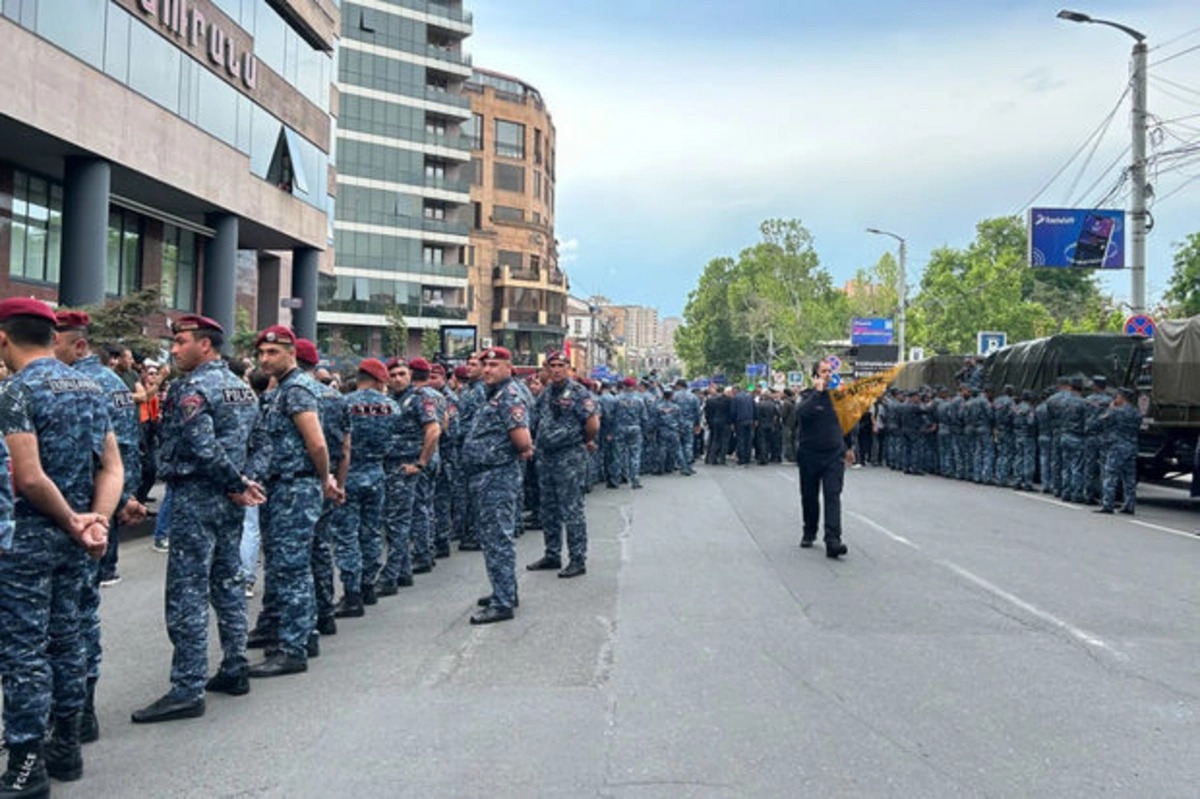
{"x": 1087, "y": 238}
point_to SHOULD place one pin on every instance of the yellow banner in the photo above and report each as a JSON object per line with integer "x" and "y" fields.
{"x": 851, "y": 402}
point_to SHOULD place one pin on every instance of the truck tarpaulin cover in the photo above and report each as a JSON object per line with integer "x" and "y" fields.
{"x": 936, "y": 371}
{"x": 1034, "y": 365}
{"x": 1177, "y": 362}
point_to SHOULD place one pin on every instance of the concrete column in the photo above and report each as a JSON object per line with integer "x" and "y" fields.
{"x": 305, "y": 264}
{"x": 84, "y": 232}
{"x": 220, "y": 271}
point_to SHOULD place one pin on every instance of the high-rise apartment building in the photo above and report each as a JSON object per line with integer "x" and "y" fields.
{"x": 520, "y": 292}
{"x": 179, "y": 144}
{"x": 403, "y": 204}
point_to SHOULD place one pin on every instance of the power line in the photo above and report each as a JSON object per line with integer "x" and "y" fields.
{"x": 1177, "y": 189}
{"x": 1176, "y": 55}
{"x": 1174, "y": 39}
{"x": 1176, "y": 84}
{"x": 1095, "y": 184}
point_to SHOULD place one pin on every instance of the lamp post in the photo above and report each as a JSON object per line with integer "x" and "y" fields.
{"x": 1137, "y": 169}
{"x": 901, "y": 290}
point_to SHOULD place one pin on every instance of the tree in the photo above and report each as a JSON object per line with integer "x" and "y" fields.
{"x": 708, "y": 341}
{"x": 396, "y": 334}
{"x": 121, "y": 322}
{"x": 873, "y": 291}
{"x": 1183, "y": 290}
{"x": 431, "y": 343}
{"x": 244, "y": 334}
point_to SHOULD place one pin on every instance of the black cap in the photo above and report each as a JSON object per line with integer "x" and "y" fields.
{"x": 1127, "y": 393}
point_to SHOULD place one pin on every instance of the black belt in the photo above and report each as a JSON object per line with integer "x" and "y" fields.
{"x": 292, "y": 476}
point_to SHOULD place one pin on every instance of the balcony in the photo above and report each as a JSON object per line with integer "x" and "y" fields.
{"x": 554, "y": 279}
{"x": 447, "y": 97}
{"x": 446, "y": 226}
{"x": 435, "y": 9}
{"x": 440, "y": 53}
{"x": 446, "y": 184}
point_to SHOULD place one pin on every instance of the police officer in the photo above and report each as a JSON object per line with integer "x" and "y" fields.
{"x": 357, "y": 523}
{"x": 67, "y": 478}
{"x": 206, "y": 421}
{"x": 335, "y": 426}
{"x": 1072, "y": 425}
{"x": 669, "y": 423}
{"x": 493, "y": 449}
{"x": 470, "y": 396}
{"x": 71, "y": 346}
{"x": 1093, "y": 445}
{"x": 1045, "y": 441}
{"x": 414, "y": 440}
{"x": 444, "y": 510}
{"x": 630, "y": 420}
{"x": 297, "y": 478}
{"x": 1025, "y": 431}
{"x": 607, "y": 402}
{"x": 432, "y": 403}
{"x": 1120, "y": 424}
{"x": 1006, "y": 444}
{"x": 689, "y": 424}
{"x": 568, "y": 426}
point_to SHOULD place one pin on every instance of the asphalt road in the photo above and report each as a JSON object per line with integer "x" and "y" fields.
{"x": 976, "y": 642}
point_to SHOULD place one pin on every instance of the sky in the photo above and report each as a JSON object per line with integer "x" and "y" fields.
{"x": 683, "y": 125}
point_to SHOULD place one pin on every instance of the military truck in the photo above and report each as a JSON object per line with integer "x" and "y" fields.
{"x": 1165, "y": 371}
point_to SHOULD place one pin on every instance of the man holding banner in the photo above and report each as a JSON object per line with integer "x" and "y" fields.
{"x": 822, "y": 455}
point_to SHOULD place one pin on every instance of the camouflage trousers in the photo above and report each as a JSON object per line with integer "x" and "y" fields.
{"x": 400, "y": 494}
{"x": 1070, "y": 448}
{"x": 497, "y": 489}
{"x": 1044, "y": 462}
{"x": 1006, "y": 450}
{"x": 203, "y": 567}
{"x": 41, "y": 655}
{"x": 669, "y": 452}
{"x": 562, "y": 502}
{"x": 1120, "y": 471}
{"x": 289, "y": 521}
{"x": 983, "y": 458}
{"x": 1025, "y": 462}
{"x": 629, "y": 453}
{"x": 422, "y": 523}
{"x": 322, "y": 561}
{"x": 687, "y": 448}
{"x": 357, "y": 529}
{"x": 1093, "y": 467}
{"x": 443, "y": 506}
{"x": 945, "y": 449}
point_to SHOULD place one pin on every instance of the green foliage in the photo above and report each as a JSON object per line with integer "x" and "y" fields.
{"x": 775, "y": 302}
{"x": 396, "y": 335}
{"x": 244, "y": 333}
{"x": 121, "y": 321}
{"x": 1183, "y": 290}
{"x": 431, "y": 343}
{"x": 874, "y": 291}
{"x": 989, "y": 286}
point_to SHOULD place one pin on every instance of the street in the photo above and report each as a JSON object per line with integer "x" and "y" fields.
{"x": 975, "y": 642}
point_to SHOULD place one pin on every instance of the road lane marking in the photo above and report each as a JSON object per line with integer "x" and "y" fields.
{"x": 1160, "y": 528}
{"x": 1075, "y": 632}
{"x": 894, "y": 536}
{"x": 1048, "y": 500}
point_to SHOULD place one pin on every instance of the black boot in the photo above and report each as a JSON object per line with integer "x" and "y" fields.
{"x": 89, "y": 725}
{"x": 312, "y": 646}
{"x": 368, "y": 595}
{"x": 64, "y": 758}
{"x": 327, "y": 625}
{"x": 26, "y": 776}
{"x": 261, "y": 639}
{"x": 351, "y": 607}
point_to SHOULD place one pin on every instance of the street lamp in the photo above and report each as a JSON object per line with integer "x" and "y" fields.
{"x": 1137, "y": 170}
{"x": 901, "y": 290}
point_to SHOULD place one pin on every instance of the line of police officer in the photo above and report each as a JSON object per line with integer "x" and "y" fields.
{"x": 1083, "y": 448}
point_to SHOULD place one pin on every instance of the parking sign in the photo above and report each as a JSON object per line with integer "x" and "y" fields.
{"x": 989, "y": 341}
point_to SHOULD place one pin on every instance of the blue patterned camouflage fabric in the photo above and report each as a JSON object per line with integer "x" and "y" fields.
{"x": 335, "y": 426}
{"x": 289, "y": 517}
{"x": 469, "y": 399}
{"x": 423, "y": 529}
{"x": 1024, "y": 422}
{"x": 1119, "y": 425}
{"x": 357, "y": 524}
{"x": 629, "y": 419}
{"x": 668, "y": 413}
{"x": 41, "y": 573}
{"x": 408, "y": 435}
{"x": 562, "y": 411}
{"x": 492, "y": 466}
{"x": 206, "y": 422}
{"x": 445, "y": 512}
{"x": 689, "y": 420}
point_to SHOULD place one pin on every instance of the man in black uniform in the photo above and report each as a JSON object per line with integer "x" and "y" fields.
{"x": 716, "y": 413}
{"x": 822, "y": 455}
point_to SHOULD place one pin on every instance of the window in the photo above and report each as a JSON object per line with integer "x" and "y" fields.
{"x": 476, "y": 172}
{"x": 35, "y": 250}
{"x": 507, "y": 177}
{"x": 434, "y": 210}
{"x": 434, "y": 255}
{"x": 435, "y": 127}
{"x": 477, "y": 208}
{"x": 535, "y": 264}
{"x": 513, "y": 260}
{"x": 537, "y": 218}
{"x": 510, "y": 139}
{"x": 180, "y": 248}
{"x": 473, "y": 131}
{"x": 365, "y": 21}
{"x": 537, "y": 146}
{"x": 537, "y": 185}
{"x": 506, "y": 213}
{"x": 123, "y": 272}
{"x": 435, "y": 169}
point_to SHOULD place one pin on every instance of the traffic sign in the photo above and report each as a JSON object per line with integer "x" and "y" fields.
{"x": 1140, "y": 325}
{"x": 835, "y": 363}
{"x": 989, "y": 341}
{"x": 835, "y": 380}
{"x": 795, "y": 378}
{"x": 295, "y": 303}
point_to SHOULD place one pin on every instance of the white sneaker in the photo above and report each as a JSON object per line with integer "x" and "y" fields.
{"x": 162, "y": 546}
{"x": 109, "y": 582}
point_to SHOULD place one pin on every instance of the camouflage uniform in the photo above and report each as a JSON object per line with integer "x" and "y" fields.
{"x": 669, "y": 448}
{"x": 289, "y": 517}
{"x": 608, "y": 438}
{"x": 563, "y": 411}
{"x": 469, "y": 400}
{"x": 492, "y": 466}
{"x": 335, "y": 426}
{"x": 123, "y": 415}
{"x": 42, "y": 569}
{"x": 206, "y": 421}
{"x": 356, "y": 525}
{"x": 1041, "y": 415}
{"x": 1093, "y": 446}
{"x": 979, "y": 423}
{"x": 423, "y": 544}
{"x": 415, "y": 411}
{"x": 1024, "y": 423}
{"x": 1120, "y": 426}
{"x": 1073, "y": 416}
{"x": 445, "y": 512}
{"x": 629, "y": 419}
{"x": 956, "y": 413}
{"x": 1006, "y": 447}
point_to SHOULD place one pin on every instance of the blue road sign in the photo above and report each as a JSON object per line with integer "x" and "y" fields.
{"x": 835, "y": 380}
{"x": 835, "y": 363}
{"x": 989, "y": 341}
{"x": 1140, "y": 325}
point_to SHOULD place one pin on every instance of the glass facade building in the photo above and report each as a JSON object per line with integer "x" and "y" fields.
{"x": 401, "y": 218}
{"x": 160, "y": 143}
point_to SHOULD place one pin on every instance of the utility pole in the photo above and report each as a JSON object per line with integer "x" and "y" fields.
{"x": 901, "y": 289}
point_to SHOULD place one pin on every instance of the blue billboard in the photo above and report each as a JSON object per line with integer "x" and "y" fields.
{"x": 871, "y": 330}
{"x": 1088, "y": 238}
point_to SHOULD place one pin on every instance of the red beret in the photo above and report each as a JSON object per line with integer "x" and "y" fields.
{"x": 418, "y": 365}
{"x": 26, "y": 306}
{"x": 629, "y": 381}
{"x": 192, "y": 321}
{"x": 306, "y": 351}
{"x": 437, "y": 369}
{"x": 72, "y": 320}
{"x": 496, "y": 354}
{"x": 276, "y": 334}
{"x": 461, "y": 372}
{"x": 557, "y": 355}
{"x": 374, "y": 368}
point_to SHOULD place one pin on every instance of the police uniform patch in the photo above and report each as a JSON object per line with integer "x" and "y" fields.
{"x": 190, "y": 406}
{"x": 238, "y": 396}
{"x": 589, "y": 405}
{"x": 122, "y": 399}
{"x": 518, "y": 413}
